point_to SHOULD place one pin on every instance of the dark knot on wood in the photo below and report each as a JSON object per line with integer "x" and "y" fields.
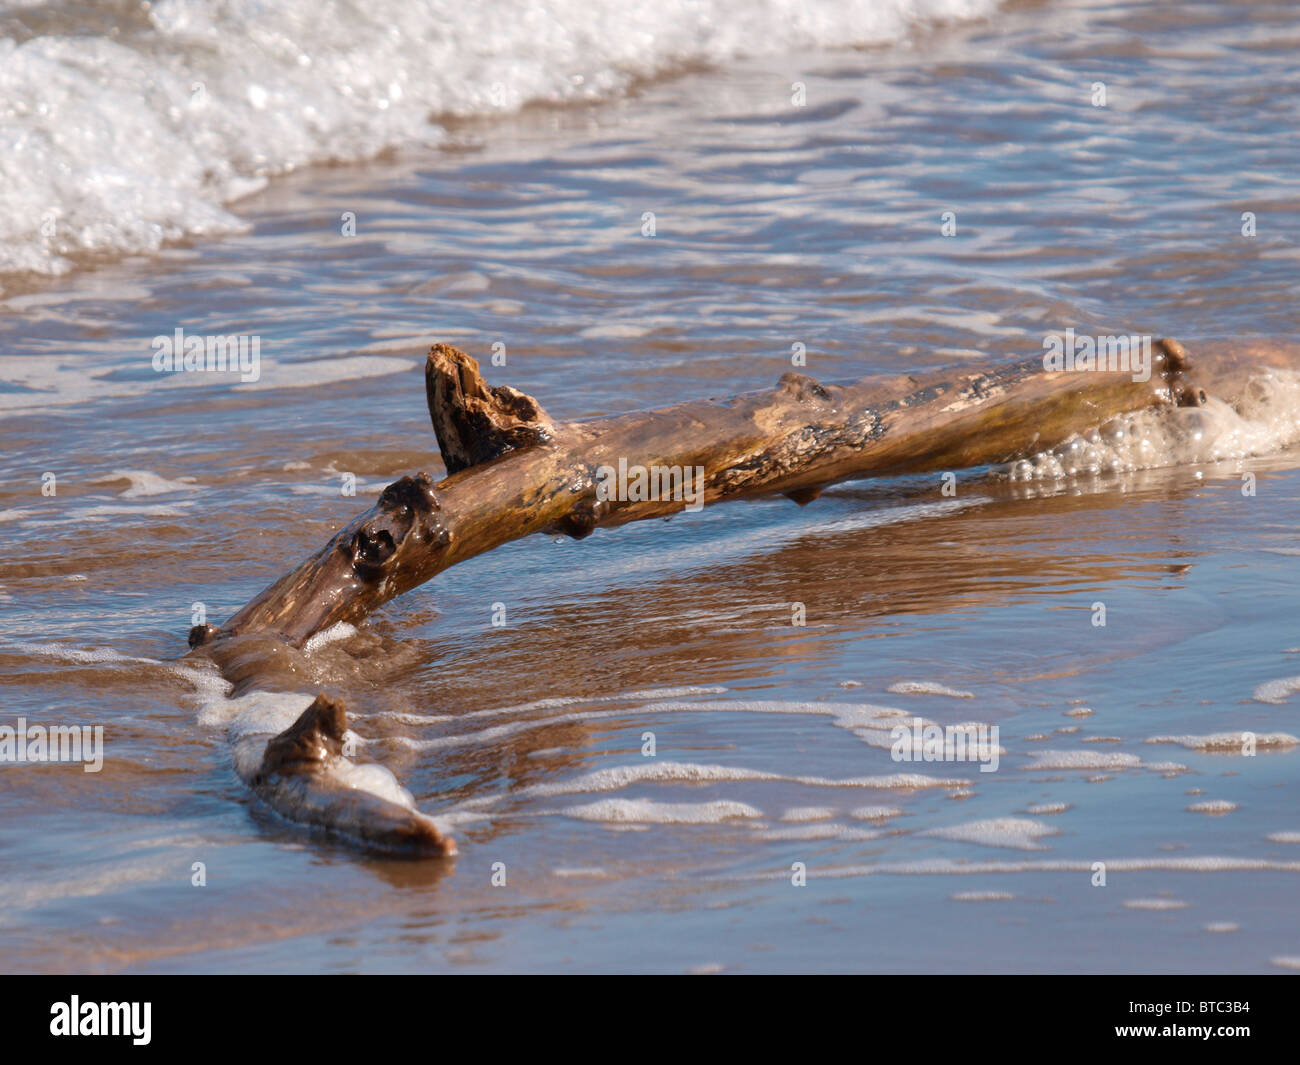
{"x": 407, "y": 504}
{"x": 474, "y": 421}
{"x": 201, "y": 634}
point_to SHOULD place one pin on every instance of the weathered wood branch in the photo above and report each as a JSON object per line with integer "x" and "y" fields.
{"x": 513, "y": 471}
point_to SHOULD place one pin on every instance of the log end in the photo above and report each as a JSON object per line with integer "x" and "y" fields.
{"x": 306, "y": 777}
{"x": 311, "y": 741}
{"x": 476, "y": 422}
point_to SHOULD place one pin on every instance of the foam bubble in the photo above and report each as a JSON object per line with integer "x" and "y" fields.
{"x": 144, "y": 483}
{"x": 340, "y": 630}
{"x": 1265, "y": 420}
{"x": 1212, "y": 806}
{"x": 872, "y": 724}
{"x": 1019, "y": 833}
{"x": 927, "y": 687}
{"x": 1276, "y": 691}
{"x": 374, "y": 779}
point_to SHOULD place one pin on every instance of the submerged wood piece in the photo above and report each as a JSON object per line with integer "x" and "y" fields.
{"x": 517, "y": 473}
{"x": 305, "y": 776}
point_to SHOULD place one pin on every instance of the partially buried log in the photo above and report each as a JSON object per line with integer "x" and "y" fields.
{"x": 513, "y": 471}
{"x": 303, "y": 773}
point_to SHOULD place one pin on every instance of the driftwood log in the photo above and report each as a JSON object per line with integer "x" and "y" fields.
{"x": 513, "y": 471}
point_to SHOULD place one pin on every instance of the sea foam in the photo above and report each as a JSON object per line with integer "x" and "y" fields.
{"x": 120, "y": 143}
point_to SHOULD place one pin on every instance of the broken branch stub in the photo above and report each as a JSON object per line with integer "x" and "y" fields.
{"x": 473, "y": 421}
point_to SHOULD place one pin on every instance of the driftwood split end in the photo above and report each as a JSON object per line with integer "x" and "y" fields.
{"x": 475, "y": 422}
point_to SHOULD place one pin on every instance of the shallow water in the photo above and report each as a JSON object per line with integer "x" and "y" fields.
{"x": 775, "y": 225}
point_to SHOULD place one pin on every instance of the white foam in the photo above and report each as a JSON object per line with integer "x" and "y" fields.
{"x": 927, "y": 687}
{"x": 951, "y": 867}
{"x": 821, "y": 830}
{"x": 1222, "y": 926}
{"x": 875, "y": 813}
{"x": 1266, "y": 419}
{"x": 1048, "y": 808}
{"x": 615, "y": 778}
{"x": 124, "y": 142}
{"x": 96, "y": 655}
{"x": 870, "y": 723}
{"x": 257, "y": 712}
{"x": 1083, "y": 760}
{"x": 982, "y": 896}
{"x": 1154, "y": 904}
{"x": 558, "y": 702}
{"x": 1230, "y": 742}
{"x": 647, "y": 811}
{"x": 208, "y": 684}
{"x": 252, "y": 720}
{"x": 1285, "y": 961}
{"x": 1276, "y": 691}
{"x": 1212, "y": 806}
{"x": 808, "y": 813}
{"x": 1019, "y": 833}
{"x": 143, "y": 483}
{"x": 305, "y": 374}
{"x": 1284, "y": 837}
{"x": 340, "y": 630}
{"x": 373, "y": 779}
